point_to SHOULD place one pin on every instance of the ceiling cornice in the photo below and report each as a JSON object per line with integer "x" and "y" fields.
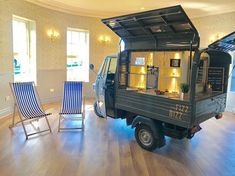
{"x": 69, "y": 9}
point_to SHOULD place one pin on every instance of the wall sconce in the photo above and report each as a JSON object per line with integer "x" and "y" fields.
{"x": 104, "y": 39}
{"x": 53, "y": 34}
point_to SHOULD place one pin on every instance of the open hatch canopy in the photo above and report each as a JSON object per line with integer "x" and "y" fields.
{"x": 225, "y": 44}
{"x": 162, "y": 29}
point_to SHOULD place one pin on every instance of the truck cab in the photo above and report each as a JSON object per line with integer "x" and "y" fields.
{"x": 104, "y": 87}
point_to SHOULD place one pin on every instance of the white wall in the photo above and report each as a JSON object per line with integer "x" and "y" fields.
{"x": 51, "y": 56}
{"x": 209, "y": 28}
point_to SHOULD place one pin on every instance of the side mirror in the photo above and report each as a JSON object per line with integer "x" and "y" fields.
{"x": 91, "y": 66}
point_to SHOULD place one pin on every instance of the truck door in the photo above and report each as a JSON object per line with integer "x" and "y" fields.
{"x": 109, "y": 87}
{"x": 105, "y": 87}
{"x": 100, "y": 94}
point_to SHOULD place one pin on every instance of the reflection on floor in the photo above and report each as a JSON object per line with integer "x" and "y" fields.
{"x": 107, "y": 147}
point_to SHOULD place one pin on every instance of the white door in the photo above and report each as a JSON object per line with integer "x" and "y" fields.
{"x": 101, "y": 80}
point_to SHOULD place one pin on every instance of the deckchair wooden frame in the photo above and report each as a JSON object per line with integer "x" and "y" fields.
{"x": 61, "y": 116}
{"x": 24, "y": 119}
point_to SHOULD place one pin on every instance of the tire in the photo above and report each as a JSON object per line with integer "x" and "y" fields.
{"x": 97, "y": 111}
{"x": 145, "y": 137}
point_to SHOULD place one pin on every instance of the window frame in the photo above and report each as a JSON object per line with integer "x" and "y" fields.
{"x": 71, "y": 44}
{"x": 105, "y": 68}
{"x": 115, "y": 60}
{"x": 31, "y": 47}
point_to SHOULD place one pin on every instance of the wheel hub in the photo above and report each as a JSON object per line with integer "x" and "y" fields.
{"x": 145, "y": 137}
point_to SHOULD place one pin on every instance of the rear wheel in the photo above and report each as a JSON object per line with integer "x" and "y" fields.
{"x": 97, "y": 110}
{"x": 145, "y": 137}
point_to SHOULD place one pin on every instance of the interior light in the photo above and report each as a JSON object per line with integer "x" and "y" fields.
{"x": 104, "y": 39}
{"x": 173, "y": 84}
{"x": 53, "y": 34}
{"x": 112, "y": 23}
{"x": 142, "y": 70}
{"x": 150, "y": 60}
{"x": 107, "y": 39}
{"x": 177, "y": 55}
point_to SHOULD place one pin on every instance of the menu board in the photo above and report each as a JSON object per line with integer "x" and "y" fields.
{"x": 216, "y": 78}
{"x": 199, "y": 75}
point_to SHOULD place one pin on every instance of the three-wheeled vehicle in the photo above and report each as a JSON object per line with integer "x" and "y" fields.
{"x": 147, "y": 83}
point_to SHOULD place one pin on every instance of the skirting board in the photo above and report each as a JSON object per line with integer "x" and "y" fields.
{"x": 51, "y": 99}
{"x": 230, "y": 109}
{"x": 57, "y": 99}
{"x": 5, "y": 112}
{"x": 9, "y": 110}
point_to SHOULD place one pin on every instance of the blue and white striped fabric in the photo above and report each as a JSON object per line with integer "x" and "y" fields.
{"x": 27, "y": 101}
{"x": 72, "y": 98}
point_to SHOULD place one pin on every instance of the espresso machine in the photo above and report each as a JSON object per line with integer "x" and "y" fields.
{"x": 152, "y": 77}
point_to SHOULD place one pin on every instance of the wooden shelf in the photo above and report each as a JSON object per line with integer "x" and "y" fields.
{"x": 164, "y": 67}
{"x": 138, "y": 74}
{"x": 169, "y": 76}
{"x": 138, "y": 66}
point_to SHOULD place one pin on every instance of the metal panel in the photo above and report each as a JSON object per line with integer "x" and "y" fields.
{"x": 161, "y": 29}
{"x": 164, "y": 109}
{"x": 208, "y": 108}
{"x": 226, "y": 44}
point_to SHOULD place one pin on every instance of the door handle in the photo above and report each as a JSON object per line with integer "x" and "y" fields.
{"x": 112, "y": 82}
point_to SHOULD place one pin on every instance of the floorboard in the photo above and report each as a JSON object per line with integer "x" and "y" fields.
{"x": 107, "y": 147}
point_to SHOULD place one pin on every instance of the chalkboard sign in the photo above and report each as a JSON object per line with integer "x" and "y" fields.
{"x": 216, "y": 78}
{"x": 199, "y": 75}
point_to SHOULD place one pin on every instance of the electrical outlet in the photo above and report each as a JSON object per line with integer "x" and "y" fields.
{"x": 7, "y": 98}
{"x": 52, "y": 90}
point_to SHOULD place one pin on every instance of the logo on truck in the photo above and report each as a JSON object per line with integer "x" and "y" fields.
{"x": 178, "y": 112}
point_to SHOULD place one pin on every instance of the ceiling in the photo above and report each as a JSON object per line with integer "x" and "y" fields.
{"x": 110, "y": 8}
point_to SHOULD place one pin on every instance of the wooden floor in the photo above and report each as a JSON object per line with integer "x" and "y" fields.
{"x": 107, "y": 147}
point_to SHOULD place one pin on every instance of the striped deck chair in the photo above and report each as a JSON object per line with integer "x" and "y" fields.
{"x": 29, "y": 106}
{"x": 73, "y": 103}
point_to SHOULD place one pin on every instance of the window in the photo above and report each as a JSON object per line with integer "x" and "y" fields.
{"x": 24, "y": 49}
{"x": 77, "y": 55}
{"x": 104, "y": 69}
{"x": 232, "y": 88}
{"x": 112, "y": 66}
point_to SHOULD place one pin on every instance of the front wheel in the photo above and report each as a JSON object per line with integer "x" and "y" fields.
{"x": 145, "y": 137}
{"x": 97, "y": 110}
